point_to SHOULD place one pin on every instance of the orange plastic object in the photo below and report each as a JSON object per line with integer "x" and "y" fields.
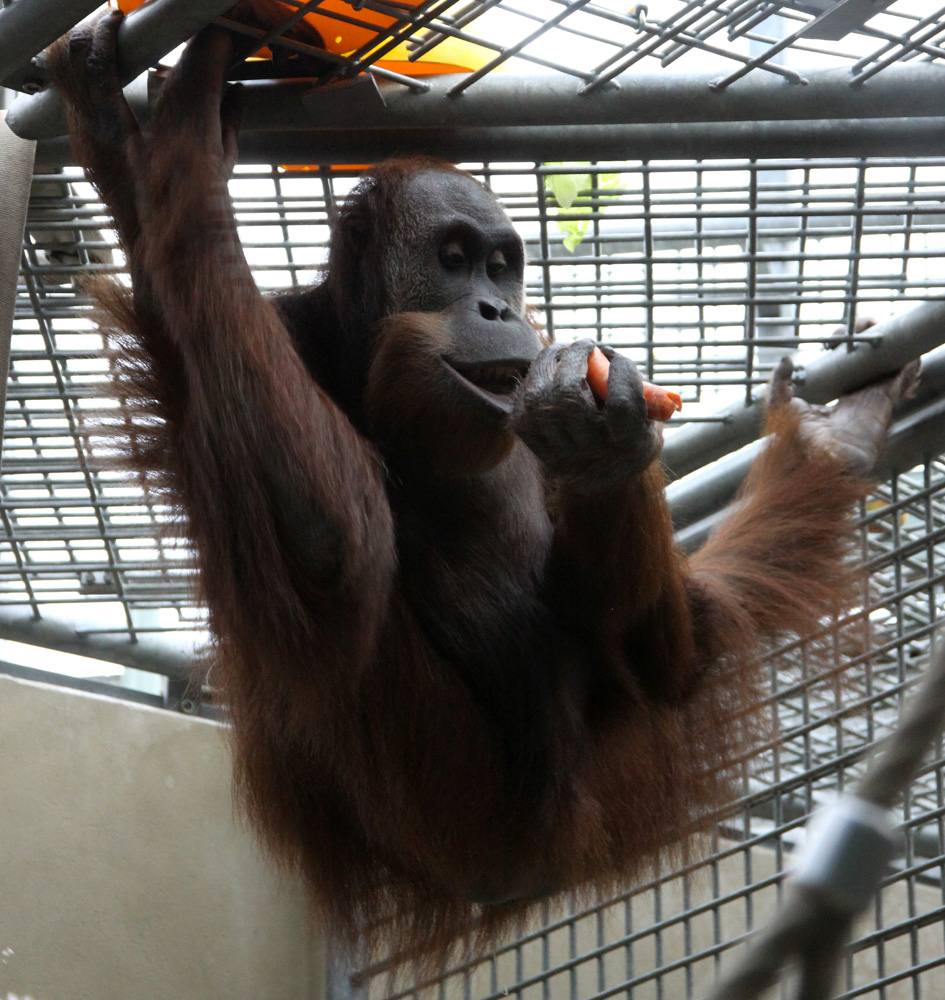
{"x": 450, "y": 56}
{"x": 339, "y": 36}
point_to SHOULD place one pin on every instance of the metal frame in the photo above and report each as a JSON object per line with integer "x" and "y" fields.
{"x": 879, "y": 351}
{"x": 544, "y": 118}
{"x": 622, "y": 41}
{"x": 717, "y": 27}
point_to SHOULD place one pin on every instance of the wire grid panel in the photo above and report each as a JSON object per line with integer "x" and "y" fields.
{"x": 84, "y": 537}
{"x": 596, "y": 41}
{"x": 832, "y": 698}
{"x": 704, "y": 273}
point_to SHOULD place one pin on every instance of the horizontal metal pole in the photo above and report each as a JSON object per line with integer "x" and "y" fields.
{"x": 26, "y": 28}
{"x": 508, "y": 100}
{"x": 892, "y": 344}
{"x": 554, "y": 99}
{"x": 145, "y": 36}
{"x": 917, "y": 434}
{"x": 705, "y": 491}
{"x": 730, "y": 140}
{"x": 160, "y": 657}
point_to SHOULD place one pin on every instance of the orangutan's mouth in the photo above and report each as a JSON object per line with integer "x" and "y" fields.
{"x": 493, "y": 381}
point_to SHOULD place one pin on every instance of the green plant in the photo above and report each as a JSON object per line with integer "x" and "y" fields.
{"x": 567, "y": 189}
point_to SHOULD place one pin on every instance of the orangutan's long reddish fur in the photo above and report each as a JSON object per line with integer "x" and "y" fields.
{"x": 361, "y": 757}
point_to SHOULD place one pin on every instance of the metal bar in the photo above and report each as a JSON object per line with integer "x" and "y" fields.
{"x": 809, "y": 28}
{"x": 881, "y": 137}
{"x": 751, "y": 310}
{"x": 339, "y": 63}
{"x": 154, "y": 655}
{"x": 856, "y": 246}
{"x": 901, "y": 339}
{"x": 145, "y": 36}
{"x": 27, "y": 28}
{"x": 153, "y": 568}
{"x": 686, "y": 41}
{"x": 507, "y": 53}
{"x": 16, "y": 168}
{"x": 717, "y": 20}
{"x": 409, "y": 23}
{"x": 922, "y": 31}
{"x": 74, "y": 419}
{"x": 553, "y": 100}
{"x": 618, "y": 62}
{"x": 917, "y": 434}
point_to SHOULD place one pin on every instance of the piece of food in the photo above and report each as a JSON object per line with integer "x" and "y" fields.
{"x": 661, "y": 404}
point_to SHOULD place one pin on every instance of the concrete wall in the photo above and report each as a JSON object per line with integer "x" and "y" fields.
{"x": 123, "y": 874}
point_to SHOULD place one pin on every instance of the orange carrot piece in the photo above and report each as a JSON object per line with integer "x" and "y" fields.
{"x": 598, "y": 371}
{"x": 661, "y": 404}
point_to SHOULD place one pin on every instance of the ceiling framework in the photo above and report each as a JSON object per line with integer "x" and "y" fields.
{"x": 579, "y": 80}
{"x": 592, "y": 43}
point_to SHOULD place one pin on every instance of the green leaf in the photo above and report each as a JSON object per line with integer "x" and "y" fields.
{"x": 567, "y": 188}
{"x": 575, "y": 230}
{"x": 610, "y": 182}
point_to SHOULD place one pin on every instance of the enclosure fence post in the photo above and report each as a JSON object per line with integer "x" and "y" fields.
{"x": 16, "y": 169}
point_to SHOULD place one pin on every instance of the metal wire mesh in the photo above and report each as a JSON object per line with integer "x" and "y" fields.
{"x": 604, "y": 39}
{"x": 831, "y": 699}
{"x": 590, "y": 40}
{"x": 706, "y": 273}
